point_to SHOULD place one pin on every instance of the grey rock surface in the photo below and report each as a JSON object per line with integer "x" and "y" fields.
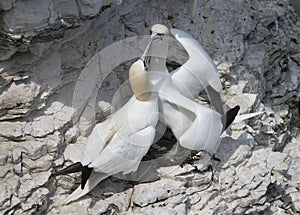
{"x": 51, "y": 95}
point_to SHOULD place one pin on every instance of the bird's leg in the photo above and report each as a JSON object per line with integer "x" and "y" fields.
{"x": 75, "y": 167}
{"x": 213, "y": 156}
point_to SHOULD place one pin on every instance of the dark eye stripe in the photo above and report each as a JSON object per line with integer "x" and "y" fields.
{"x": 158, "y": 34}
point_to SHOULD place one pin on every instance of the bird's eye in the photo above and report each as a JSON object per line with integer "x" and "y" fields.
{"x": 159, "y": 36}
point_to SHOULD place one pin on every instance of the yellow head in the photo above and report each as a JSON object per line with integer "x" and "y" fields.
{"x": 138, "y": 78}
{"x": 153, "y": 59}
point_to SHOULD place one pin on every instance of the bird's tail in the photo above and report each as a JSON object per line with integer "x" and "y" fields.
{"x": 230, "y": 116}
{"x": 242, "y": 117}
{"x": 75, "y": 167}
{"x": 92, "y": 182}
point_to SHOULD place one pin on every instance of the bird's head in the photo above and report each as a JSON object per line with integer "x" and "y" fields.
{"x": 152, "y": 60}
{"x": 157, "y": 47}
{"x": 139, "y": 82}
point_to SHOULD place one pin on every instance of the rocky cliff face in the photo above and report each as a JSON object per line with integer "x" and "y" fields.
{"x": 44, "y": 49}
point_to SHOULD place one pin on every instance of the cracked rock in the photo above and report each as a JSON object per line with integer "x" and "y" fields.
{"x": 50, "y": 100}
{"x": 42, "y": 165}
{"x": 145, "y": 194}
{"x": 13, "y": 130}
{"x": 29, "y": 15}
{"x": 30, "y": 182}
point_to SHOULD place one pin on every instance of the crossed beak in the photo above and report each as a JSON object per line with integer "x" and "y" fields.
{"x": 147, "y": 53}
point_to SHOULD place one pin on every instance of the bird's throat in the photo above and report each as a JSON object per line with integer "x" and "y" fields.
{"x": 140, "y": 85}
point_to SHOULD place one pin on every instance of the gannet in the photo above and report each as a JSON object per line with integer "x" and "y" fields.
{"x": 195, "y": 126}
{"x": 118, "y": 144}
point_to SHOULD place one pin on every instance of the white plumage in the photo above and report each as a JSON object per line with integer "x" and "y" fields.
{"x": 198, "y": 73}
{"x": 195, "y": 126}
{"x": 118, "y": 144}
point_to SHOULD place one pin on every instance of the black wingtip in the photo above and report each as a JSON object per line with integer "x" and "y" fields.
{"x": 75, "y": 167}
{"x": 86, "y": 172}
{"x": 230, "y": 115}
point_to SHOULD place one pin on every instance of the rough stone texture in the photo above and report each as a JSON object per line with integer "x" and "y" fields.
{"x": 44, "y": 48}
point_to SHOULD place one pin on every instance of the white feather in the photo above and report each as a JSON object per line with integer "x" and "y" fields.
{"x": 196, "y": 127}
{"x": 198, "y": 73}
{"x": 243, "y": 117}
{"x": 118, "y": 144}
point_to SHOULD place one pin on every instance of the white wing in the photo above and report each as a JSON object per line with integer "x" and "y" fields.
{"x": 132, "y": 117}
{"x": 121, "y": 155}
{"x": 109, "y": 152}
{"x": 97, "y": 140}
{"x": 124, "y": 153}
{"x": 198, "y": 73}
{"x": 199, "y": 65}
{"x": 204, "y": 133}
{"x": 196, "y": 127}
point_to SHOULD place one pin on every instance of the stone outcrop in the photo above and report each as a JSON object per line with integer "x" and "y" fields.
{"x": 46, "y": 113}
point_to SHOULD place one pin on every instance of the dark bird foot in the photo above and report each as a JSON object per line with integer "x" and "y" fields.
{"x": 216, "y": 158}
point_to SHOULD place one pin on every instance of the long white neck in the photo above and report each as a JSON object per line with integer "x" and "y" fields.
{"x": 156, "y": 52}
{"x": 154, "y": 60}
{"x": 159, "y": 54}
